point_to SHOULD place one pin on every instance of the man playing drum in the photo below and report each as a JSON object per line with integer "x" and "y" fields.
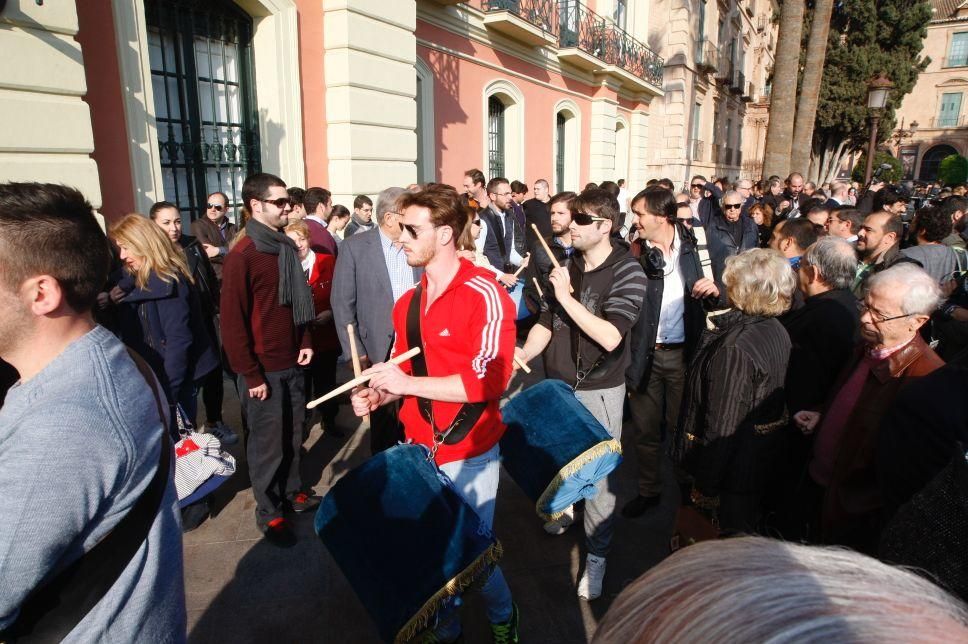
{"x": 464, "y": 323}
{"x": 585, "y": 335}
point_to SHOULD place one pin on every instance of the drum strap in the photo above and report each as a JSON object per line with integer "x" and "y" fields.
{"x": 469, "y": 413}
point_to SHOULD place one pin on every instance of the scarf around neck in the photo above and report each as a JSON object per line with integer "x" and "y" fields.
{"x": 293, "y": 287}
{"x": 365, "y": 225}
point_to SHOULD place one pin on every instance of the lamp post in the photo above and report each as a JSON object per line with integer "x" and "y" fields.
{"x": 877, "y": 92}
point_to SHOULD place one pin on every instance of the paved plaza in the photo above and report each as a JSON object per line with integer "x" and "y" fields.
{"x": 240, "y": 589}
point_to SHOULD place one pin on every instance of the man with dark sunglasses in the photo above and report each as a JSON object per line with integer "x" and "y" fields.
{"x": 704, "y": 198}
{"x": 582, "y": 336}
{"x": 214, "y": 231}
{"x": 728, "y": 232}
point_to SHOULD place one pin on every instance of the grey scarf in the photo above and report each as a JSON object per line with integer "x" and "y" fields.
{"x": 293, "y": 287}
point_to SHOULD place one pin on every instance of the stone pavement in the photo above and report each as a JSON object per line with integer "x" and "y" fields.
{"x": 240, "y": 589}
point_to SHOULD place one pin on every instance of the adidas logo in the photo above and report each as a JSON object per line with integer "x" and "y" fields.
{"x": 445, "y": 333}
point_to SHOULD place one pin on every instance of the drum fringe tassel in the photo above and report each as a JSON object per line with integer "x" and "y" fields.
{"x": 569, "y": 470}
{"x": 456, "y": 586}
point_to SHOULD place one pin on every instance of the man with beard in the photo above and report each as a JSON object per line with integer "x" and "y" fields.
{"x": 956, "y": 208}
{"x": 584, "y": 333}
{"x": 467, "y": 330}
{"x": 878, "y": 246}
{"x": 559, "y": 241}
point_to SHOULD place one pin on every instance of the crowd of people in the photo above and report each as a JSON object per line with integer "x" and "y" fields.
{"x": 790, "y": 355}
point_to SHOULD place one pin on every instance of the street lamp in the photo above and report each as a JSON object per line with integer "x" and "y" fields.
{"x": 877, "y": 92}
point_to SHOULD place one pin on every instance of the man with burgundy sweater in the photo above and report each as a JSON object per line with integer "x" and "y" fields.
{"x": 266, "y": 304}
{"x": 318, "y": 203}
{"x": 843, "y": 474}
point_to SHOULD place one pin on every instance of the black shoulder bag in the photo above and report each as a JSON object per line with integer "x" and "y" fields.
{"x": 469, "y": 413}
{"x": 59, "y": 604}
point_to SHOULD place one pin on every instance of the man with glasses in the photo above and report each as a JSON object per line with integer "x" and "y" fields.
{"x": 704, "y": 198}
{"x": 728, "y": 232}
{"x": 362, "y": 218}
{"x": 214, "y": 230}
{"x": 371, "y": 274}
{"x": 466, "y": 327}
{"x": 504, "y": 245}
{"x": 845, "y": 223}
{"x": 266, "y": 306}
{"x": 583, "y": 338}
{"x": 843, "y": 478}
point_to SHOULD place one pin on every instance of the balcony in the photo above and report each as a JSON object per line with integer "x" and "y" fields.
{"x": 533, "y": 22}
{"x": 947, "y": 122}
{"x": 587, "y": 41}
{"x": 697, "y": 150}
{"x": 707, "y": 57}
{"x": 762, "y": 23}
{"x": 737, "y": 84}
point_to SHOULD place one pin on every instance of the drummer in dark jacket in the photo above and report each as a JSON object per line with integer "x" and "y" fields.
{"x": 162, "y": 317}
{"x": 584, "y": 333}
{"x": 665, "y": 336}
{"x": 733, "y": 399}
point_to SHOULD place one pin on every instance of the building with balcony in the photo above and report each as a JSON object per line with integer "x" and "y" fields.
{"x": 712, "y": 117}
{"x": 938, "y": 105}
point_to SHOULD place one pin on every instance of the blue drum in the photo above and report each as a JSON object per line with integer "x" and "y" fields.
{"x": 554, "y": 449}
{"x": 405, "y": 539}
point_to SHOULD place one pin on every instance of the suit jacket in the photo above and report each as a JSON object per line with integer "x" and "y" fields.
{"x": 362, "y": 295}
{"x": 721, "y": 243}
{"x": 207, "y": 232}
{"x": 492, "y": 247}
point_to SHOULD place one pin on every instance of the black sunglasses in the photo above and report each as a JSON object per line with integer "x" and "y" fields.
{"x": 584, "y": 219}
{"x": 279, "y": 203}
{"x": 412, "y": 231}
{"x": 698, "y": 185}
{"x": 732, "y": 206}
{"x": 215, "y": 206}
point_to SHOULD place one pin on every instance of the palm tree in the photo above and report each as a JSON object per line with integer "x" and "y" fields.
{"x": 779, "y": 133}
{"x": 810, "y": 87}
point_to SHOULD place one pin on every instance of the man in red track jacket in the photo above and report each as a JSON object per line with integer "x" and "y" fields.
{"x": 467, "y": 330}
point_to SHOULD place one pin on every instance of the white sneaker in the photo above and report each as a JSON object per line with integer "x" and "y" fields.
{"x": 590, "y": 585}
{"x": 222, "y": 432}
{"x": 559, "y": 525}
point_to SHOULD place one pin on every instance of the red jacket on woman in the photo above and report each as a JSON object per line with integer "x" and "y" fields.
{"x": 321, "y": 283}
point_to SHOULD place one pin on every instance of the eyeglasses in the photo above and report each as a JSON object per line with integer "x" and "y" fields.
{"x": 215, "y": 206}
{"x": 502, "y": 194}
{"x": 732, "y": 206}
{"x": 698, "y": 185}
{"x": 279, "y": 203}
{"x": 584, "y": 219}
{"x": 876, "y": 317}
{"x": 413, "y": 231}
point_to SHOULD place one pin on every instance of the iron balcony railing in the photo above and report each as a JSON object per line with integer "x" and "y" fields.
{"x": 540, "y": 13}
{"x": 707, "y": 57}
{"x": 584, "y": 29}
{"x": 948, "y": 121}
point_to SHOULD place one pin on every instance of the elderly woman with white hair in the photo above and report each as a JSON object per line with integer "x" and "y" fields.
{"x": 843, "y": 482}
{"x": 733, "y": 403}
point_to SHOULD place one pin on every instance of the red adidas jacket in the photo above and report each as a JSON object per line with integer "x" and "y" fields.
{"x": 469, "y": 331}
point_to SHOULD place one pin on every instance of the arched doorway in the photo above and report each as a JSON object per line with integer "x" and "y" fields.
{"x": 932, "y": 161}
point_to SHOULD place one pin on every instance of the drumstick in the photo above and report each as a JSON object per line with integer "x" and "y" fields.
{"x": 355, "y": 353}
{"x": 522, "y": 266}
{"x": 554, "y": 260}
{"x": 521, "y": 363}
{"x": 355, "y": 382}
{"x": 538, "y": 286}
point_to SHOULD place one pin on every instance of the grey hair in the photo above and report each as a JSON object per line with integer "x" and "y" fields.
{"x": 386, "y": 201}
{"x": 753, "y": 589}
{"x": 835, "y": 259}
{"x": 759, "y": 282}
{"x": 728, "y": 194}
{"x": 923, "y": 294}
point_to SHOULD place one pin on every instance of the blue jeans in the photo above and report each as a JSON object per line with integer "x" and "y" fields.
{"x": 476, "y": 480}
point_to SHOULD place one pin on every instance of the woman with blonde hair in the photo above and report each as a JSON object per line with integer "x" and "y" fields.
{"x": 733, "y": 408}
{"x": 161, "y": 316}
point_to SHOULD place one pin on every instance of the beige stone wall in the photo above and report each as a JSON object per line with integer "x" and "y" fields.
{"x": 923, "y": 104}
{"x": 47, "y": 132}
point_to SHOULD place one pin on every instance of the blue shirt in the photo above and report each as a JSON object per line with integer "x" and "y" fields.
{"x": 401, "y": 273}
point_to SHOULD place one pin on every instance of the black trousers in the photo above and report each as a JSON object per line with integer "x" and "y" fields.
{"x": 321, "y": 378}
{"x": 213, "y": 391}
{"x": 273, "y": 441}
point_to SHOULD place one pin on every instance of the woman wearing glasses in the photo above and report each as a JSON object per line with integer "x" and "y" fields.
{"x": 214, "y": 230}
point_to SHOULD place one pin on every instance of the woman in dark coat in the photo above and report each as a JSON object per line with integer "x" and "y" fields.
{"x": 162, "y": 316}
{"x": 733, "y": 403}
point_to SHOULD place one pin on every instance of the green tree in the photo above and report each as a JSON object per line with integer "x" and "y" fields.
{"x": 880, "y": 158}
{"x": 866, "y": 37}
{"x": 953, "y": 170}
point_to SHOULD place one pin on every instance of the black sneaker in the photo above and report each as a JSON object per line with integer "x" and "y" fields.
{"x": 303, "y": 502}
{"x": 507, "y": 632}
{"x": 278, "y": 533}
{"x": 638, "y": 506}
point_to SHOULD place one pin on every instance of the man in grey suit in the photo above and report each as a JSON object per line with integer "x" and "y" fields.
{"x": 371, "y": 275}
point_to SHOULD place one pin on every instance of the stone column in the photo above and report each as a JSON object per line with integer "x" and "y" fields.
{"x": 371, "y": 85}
{"x": 638, "y": 150}
{"x": 602, "y": 152}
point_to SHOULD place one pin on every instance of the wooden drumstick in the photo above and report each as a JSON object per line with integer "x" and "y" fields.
{"x": 355, "y": 353}
{"x": 523, "y": 265}
{"x": 360, "y": 380}
{"x": 538, "y": 286}
{"x": 554, "y": 260}
{"x": 521, "y": 363}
